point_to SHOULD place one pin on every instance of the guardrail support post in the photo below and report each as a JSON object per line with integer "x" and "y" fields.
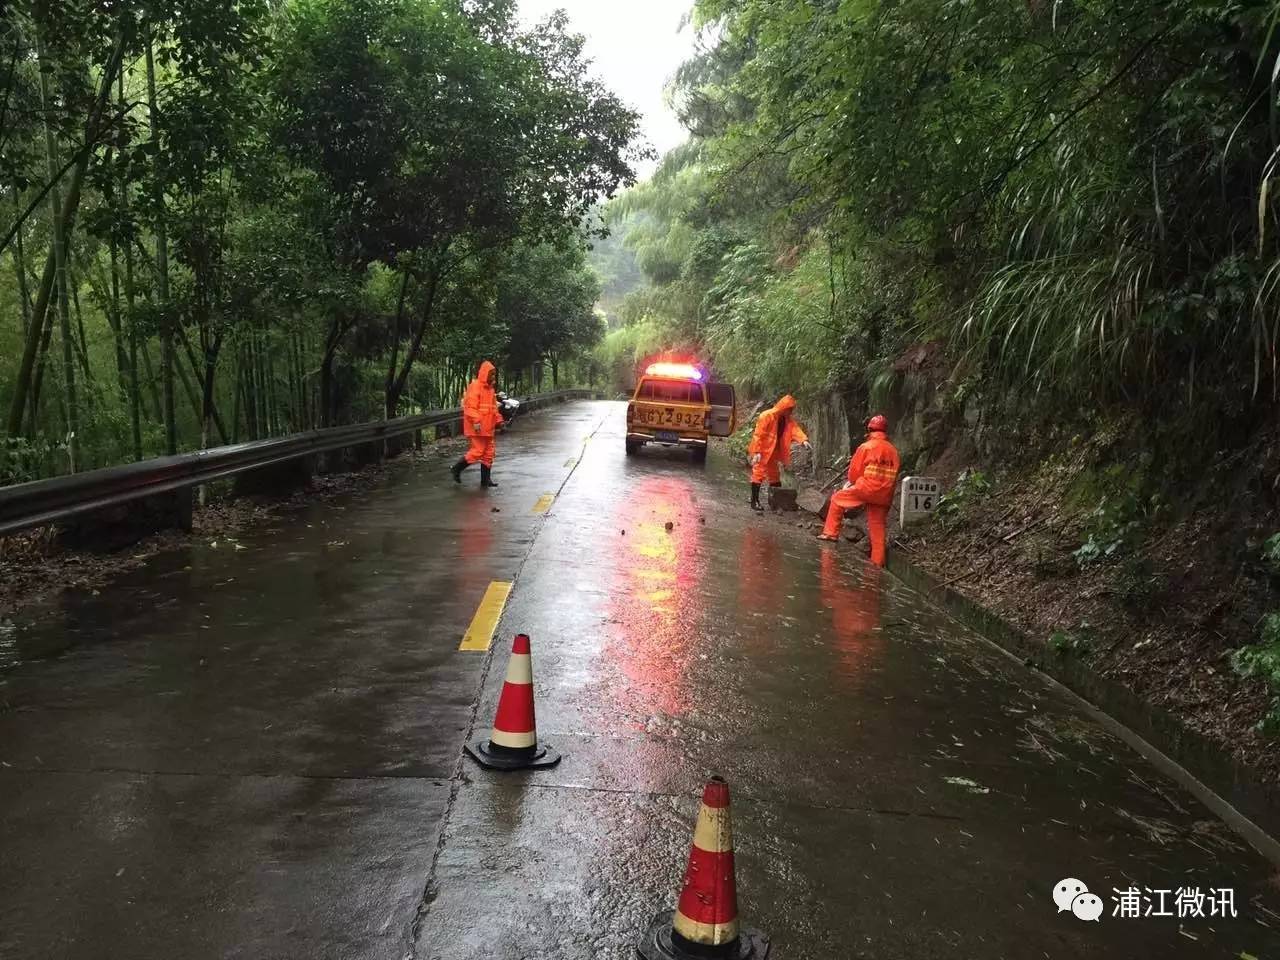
{"x": 366, "y": 454}
{"x": 278, "y": 478}
{"x": 115, "y": 528}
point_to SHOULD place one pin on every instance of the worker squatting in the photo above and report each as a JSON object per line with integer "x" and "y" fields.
{"x": 873, "y": 471}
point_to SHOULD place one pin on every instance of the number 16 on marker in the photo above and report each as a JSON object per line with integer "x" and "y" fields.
{"x": 919, "y": 497}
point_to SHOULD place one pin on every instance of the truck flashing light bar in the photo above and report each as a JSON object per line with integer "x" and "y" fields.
{"x": 674, "y": 371}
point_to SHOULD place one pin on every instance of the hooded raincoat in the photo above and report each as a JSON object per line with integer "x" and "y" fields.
{"x": 776, "y": 430}
{"x": 480, "y": 416}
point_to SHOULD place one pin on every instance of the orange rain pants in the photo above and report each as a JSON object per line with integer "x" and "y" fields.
{"x": 767, "y": 470}
{"x": 877, "y": 518}
{"x": 482, "y": 450}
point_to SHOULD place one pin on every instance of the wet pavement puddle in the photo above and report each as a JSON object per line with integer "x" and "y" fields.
{"x": 258, "y": 753}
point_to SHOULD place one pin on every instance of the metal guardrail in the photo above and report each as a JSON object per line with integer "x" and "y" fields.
{"x": 40, "y": 502}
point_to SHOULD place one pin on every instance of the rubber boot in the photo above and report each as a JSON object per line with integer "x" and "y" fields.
{"x": 486, "y": 476}
{"x": 755, "y": 497}
{"x": 457, "y": 469}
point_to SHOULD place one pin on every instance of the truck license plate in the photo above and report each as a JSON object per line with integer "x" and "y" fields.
{"x": 668, "y": 436}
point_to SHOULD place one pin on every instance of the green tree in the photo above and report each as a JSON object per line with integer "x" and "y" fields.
{"x": 444, "y": 133}
{"x": 547, "y": 297}
{"x": 256, "y": 217}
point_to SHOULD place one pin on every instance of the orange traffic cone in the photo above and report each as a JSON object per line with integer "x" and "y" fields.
{"x": 513, "y": 745}
{"x": 705, "y": 921}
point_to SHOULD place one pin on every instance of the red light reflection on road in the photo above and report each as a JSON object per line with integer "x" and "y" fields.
{"x": 655, "y": 603}
{"x": 471, "y": 575}
{"x": 854, "y": 602}
{"x": 760, "y": 571}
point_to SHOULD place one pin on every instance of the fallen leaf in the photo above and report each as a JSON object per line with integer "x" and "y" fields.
{"x": 971, "y": 785}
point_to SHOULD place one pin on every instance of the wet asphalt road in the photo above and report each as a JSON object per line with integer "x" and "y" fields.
{"x": 254, "y": 749}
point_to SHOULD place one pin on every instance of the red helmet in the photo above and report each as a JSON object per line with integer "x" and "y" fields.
{"x": 878, "y": 424}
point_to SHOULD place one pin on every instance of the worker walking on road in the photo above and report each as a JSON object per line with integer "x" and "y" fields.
{"x": 480, "y": 422}
{"x": 873, "y": 472}
{"x": 770, "y": 447}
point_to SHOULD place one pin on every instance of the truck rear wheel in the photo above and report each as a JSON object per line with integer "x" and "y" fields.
{"x": 632, "y": 447}
{"x": 700, "y": 454}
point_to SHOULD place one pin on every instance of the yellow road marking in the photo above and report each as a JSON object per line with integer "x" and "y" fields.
{"x": 571, "y": 462}
{"x": 480, "y": 634}
{"x": 544, "y": 503}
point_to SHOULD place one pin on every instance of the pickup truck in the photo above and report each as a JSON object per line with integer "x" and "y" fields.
{"x": 676, "y": 404}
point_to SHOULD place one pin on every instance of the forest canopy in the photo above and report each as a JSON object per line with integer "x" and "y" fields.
{"x": 224, "y": 221}
{"x": 1072, "y": 202}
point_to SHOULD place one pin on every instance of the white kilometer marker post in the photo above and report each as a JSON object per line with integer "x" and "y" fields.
{"x": 919, "y": 498}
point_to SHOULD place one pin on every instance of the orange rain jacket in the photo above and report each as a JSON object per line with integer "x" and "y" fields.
{"x": 766, "y": 442}
{"x": 873, "y": 471}
{"x": 480, "y": 405}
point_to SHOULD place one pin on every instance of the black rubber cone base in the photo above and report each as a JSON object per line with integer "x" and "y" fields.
{"x": 656, "y": 944}
{"x": 543, "y": 756}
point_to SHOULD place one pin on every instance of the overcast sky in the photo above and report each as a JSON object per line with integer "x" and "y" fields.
{"x": 637, "y": 46}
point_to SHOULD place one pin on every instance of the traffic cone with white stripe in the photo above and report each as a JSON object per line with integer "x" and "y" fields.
{"x": 513, "y": 744}
{"x": 705, "y": 921}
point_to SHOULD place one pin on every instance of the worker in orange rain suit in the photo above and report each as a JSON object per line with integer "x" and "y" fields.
{"x": 873, "y": 472}
{"x": 480, "y": 421}
{"x": 770, "y": 447}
